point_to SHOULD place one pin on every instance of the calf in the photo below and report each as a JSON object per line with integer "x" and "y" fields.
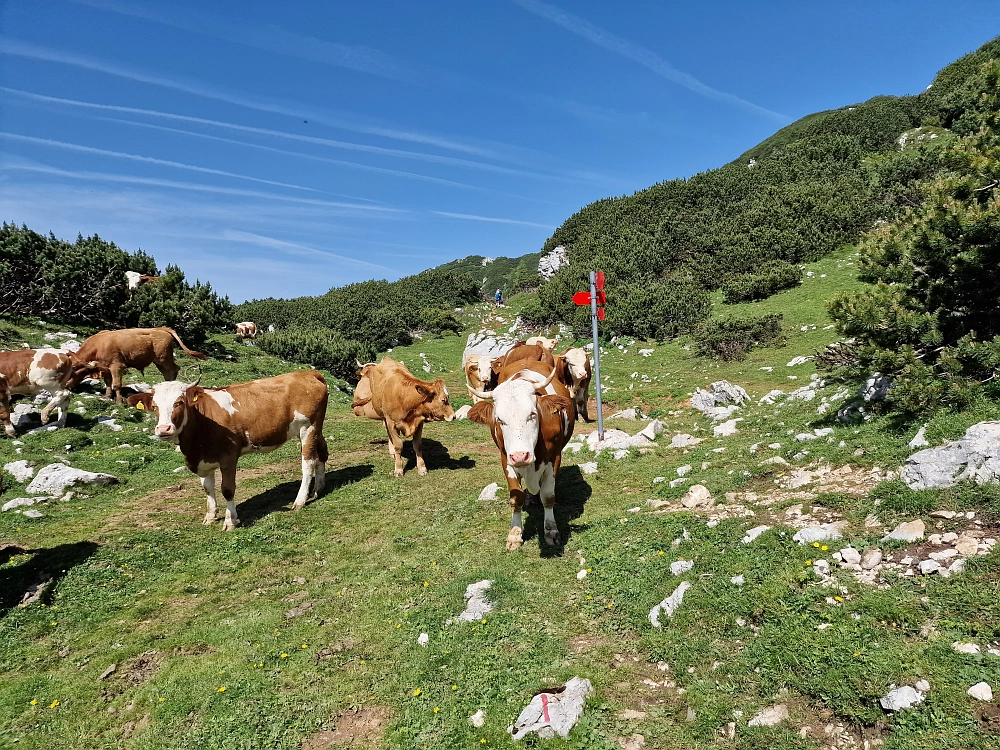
{"x": 112, "y": 352}
{"x": 388, "y": 391}
{"x": 573, "y": 371}
{"x": 215, "y": 426}
{"x": 531, "y": 418}
{"x": 28, "y": 372}
{"x": 246, "y": 330}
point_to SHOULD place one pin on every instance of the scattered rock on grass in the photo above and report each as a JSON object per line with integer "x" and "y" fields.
{"x": 681, "y": 567}
{"x": 22, "y": 502}
{"x": 477, "y": 605}
{"x": 901, "y": 698}
{"x": 55, "y": 479}
{"x": 981, "y": 691}
{"x": 589, "y": 468}
{"x": 725, "y": 429}
{"x": 753, "y": 533}
{"x": 669, "y": 605}
{"x": 20, "y": 470}
{"x": 652, "y": 430}
{"x": 553, "y": 712}
{"x": 920, "y": 439}
{"x": 423, "y": 639}
{"x": 683, "y": 440}
{"x": 821, "y": 533}
{"x": 912, "y": 531}
{"x": 965, "y": 648}
{"x": 975, "y": 456}
{"x": 489, "y": 492}
{"x": 697, "y": 497}
{"x": 770, "y": 717}
{"x": 478, "y": 719}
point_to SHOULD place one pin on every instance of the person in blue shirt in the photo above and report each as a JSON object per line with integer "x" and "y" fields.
{"x": 498, "y": 298}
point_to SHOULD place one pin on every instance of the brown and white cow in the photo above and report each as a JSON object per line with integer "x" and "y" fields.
{"x": 389, "y": 392}
{"x": 522, "y": 351}
{"x": 215, "y": 426}
{"x": 541, "y": 341}
{"x": 479, "y": 373}
{"x": 28, "y": 372}
{"x": 246, "y": 330}
{"x": 134, "y": 279}
{"x": 112, "y": 352}
{"x": 573, "y": 371}
{"x": 531, "y": 417}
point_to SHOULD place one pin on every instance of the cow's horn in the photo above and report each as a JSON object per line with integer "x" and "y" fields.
{"x": 542, "y": 386}
{"x": 484, "y": 395}
{"x": 358, "y": 363}
{"x": 199, "y": 377}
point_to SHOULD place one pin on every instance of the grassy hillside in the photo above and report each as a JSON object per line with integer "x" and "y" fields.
{"x": 302, "y": 628}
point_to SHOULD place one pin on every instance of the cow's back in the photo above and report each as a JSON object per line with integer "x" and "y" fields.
{"x": 525, "y": 352}
{"x": 132, "y": 347}
{"x": 262, "y": 410}
{"x": 14, "y": 366}
{"x": 511, "y": 370}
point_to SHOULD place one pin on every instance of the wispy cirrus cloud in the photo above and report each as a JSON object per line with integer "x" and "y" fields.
{"x": 197, "y": 88}
{"x": 641, "y": 55}
{"x": 296, "y": 248}
{"x": 269, "y": 38}
{"x": 145, "y": 159}
{"x": 494, "y": 219}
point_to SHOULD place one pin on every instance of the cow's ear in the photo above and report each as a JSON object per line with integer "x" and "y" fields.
{"x": 193, "y": 393}
{"x": 427, "y": 393}
{"x": 141, "y": 401}
{"x": 554, "y": 404}
{"x": 482, "y": 412}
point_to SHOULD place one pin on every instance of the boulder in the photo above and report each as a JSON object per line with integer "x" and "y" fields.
{"x": 871, "y": 558}
{"x": 485, "y": 342}
{"x": 697, "y": 497}
{"x": 770, "y": 717}
{"x": 727, "y": 393}
{"x": 975, "y": 456}
{"x": 20, "y": 470}
{"x": 850, "y": 556}
{"x": 702, "y": 400}
{"x": 875, "y": 388}
{"x": 553, "y": 713}
{"x": 901, "y": 698}
{"x": 652, "y": 430}
{"x": 683, "y": 440}
{"x": 552, "y": 261}
{"x": 669, "y": 605}
{"x": 913, "y": 531}
{"x": 55, "y": 479}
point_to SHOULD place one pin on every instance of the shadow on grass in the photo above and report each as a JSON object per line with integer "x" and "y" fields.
{"x": 45, "y": 566}
{"x": 281, "y": 497}
{"x": 436, "y": 456}
{"x": 572, "y": 494}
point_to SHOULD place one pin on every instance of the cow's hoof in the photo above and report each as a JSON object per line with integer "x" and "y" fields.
{"x": 422, "y": 471}
{"x": 209, "y": 519}
{"x": 9, "y": 431}
{"x": 228, "y": 525}
{"x": 552, "y": 536}
{"x": 45, "y": 419}
{"x": 397, "y": 473}
{"x": 514, "y": 540}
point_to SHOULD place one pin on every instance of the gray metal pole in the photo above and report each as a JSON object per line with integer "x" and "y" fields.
{"x": 597, "y": 353}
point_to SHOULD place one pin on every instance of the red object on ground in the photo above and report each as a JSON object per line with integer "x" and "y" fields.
{"x": 545, "y": 707}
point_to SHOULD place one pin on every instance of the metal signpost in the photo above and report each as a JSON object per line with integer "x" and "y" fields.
{"x": 596, "y": 299}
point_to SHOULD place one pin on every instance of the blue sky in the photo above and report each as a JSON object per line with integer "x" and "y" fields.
{"x": 279, "y": 149}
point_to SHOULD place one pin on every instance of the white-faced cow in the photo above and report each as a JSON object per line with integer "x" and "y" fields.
{"x": 389, "y": 392}
{"x": 28, "y": 372}
{"x": 541, "y": 341}
{"x": 134, "y": 279}
{"x": 531, "y": 417}
{"x": 112, "y": 352}
{"x": 573, "y": 371}
{"x": 246, "y": 330}
{"x": 215, "y": 426}
{"x": 479, "y": 373}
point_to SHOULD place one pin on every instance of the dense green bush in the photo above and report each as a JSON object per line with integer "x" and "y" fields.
{"x": 658, "y": 310}
{"x": 734, "y": 338}
{"x": 772, "y": 277}
{"x": 84, "y": 283}
{"x": 323, "y": 349}
{"x": 930, "y": 319}
{"x": 381, "y": 313}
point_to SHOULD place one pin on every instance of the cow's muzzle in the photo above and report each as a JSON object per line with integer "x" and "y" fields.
{"x": 519, "y": 459}
{"x": 164, "y": 432}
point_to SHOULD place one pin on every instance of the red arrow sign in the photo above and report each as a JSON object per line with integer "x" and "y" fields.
{"x": 599, "y": 279}
{"x": 583, "y": 298}
{"x": 600, "y": 313}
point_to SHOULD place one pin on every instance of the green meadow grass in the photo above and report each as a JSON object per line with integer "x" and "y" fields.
{"x": 387, "y": 559}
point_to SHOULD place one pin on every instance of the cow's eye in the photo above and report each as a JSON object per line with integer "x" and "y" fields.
{"x": 532, "y": 416}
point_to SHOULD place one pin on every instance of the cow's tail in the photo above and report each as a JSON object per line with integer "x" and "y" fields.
{"x": 196, "y": 355}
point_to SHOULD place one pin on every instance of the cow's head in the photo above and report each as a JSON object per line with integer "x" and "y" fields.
{"x": 514, "y": 408}
{"x": 170, "y": 402}
{"x": 479, "y": 372}
{"x": 436, "y": 406}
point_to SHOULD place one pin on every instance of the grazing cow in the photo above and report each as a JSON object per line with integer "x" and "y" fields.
{"x": 531, "y": 417}
{"x": 388, "y": 391}
{"x": 479, "y": 372}
{"x": 541, "y": 341}
{"x": 112, "y": 352}
{"x": 246, "y": 330}
{"x": 215, "y": 426}
{"x": 28, "y": 372}
{"x": 573, "y": 371}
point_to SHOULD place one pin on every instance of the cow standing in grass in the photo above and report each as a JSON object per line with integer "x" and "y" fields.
{"x": 28, "y": 372}
{"x": 215, "y": 426}
{"x": 246, "y": 330}
{"x": 389, "y": 392}
{"x": 113, "y": 352}
{"x": 573, "y": 371}
{"x": 531, "y": 417}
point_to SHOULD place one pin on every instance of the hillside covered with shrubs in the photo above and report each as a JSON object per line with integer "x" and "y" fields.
{"x": 814, "y": 186}
{"x": 83, "y": 283}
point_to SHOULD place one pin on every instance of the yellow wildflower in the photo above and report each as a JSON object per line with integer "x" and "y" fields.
{"x": 304, "y": 646}
{"x": 284, "y": 656}
{"x": 815, "y": 544}
{"x": 454, "y": 687}
{"x": 34, "y": 702}
{"x": 162, "y": 699}
{"x": 416, "y": 692}
{"x": 54, "y": 704}
{"x": 824, "y": 548}
{"x": 436, "y": 709}
{"x": 222, "y": 689}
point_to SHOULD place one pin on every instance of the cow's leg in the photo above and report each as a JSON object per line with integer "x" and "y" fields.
{"x": 514, "y": 537}
{"x": 5, "y": 418}
{"x": 116, "y": 381}
{"x": 547, "y": 490}
{"x": 316, "y": 452}
{"x": 108, "y": 388}
{"x": 310, "y": 462}
{"x": 208, "y": 483}
{"x": 395, "y": 446}
{"x": 229, "y": 493}
{"x": 59, "y": 403}
{"x": 582, "y": 408}
{"x": 418, "y": 449}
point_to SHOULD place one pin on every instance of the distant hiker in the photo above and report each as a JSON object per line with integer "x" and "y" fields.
{"x": 498, "y": 298}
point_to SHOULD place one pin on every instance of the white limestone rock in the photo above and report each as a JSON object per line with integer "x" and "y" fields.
{"x": 489, "y": 492}
{"x": 477, "y": 606}
{"x": 913, "y": 531}
{"x": 770, "y": 717}
{"x": 981, "y": 691}
{"x": 20, "y": 470}
{"x": 669, "y": 605}
{"x": 901, "y": 698}
{"x": 56, "y": 478}
{"x": 562, "y": 709}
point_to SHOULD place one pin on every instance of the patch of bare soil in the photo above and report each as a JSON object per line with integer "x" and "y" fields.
{"x": 583, "y": 644}
{"x": 137, "y": 670}
{"x": 989, "y": 718}
{"x": 132, "y": 727}
{"x": 831, "y": 733}
{"x": 361, "y": 727}
{"x": 193, "y": 649}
